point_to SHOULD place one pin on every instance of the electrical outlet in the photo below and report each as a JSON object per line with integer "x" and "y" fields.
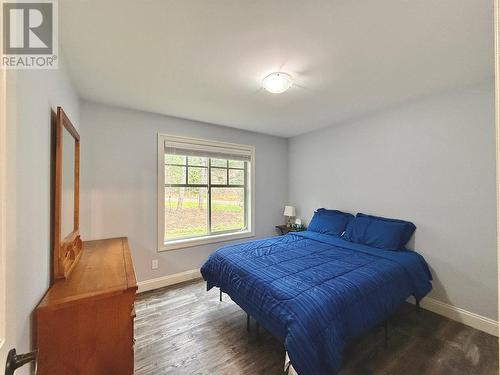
{"x": 154, "y": 264}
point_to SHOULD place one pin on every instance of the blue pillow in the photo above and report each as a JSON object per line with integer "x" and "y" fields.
{"x": 329, "y": 221}
{"x": 409, "y": 227}
{"x": 381, "y": 232}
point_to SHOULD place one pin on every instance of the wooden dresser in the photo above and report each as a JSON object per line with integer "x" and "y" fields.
{"x": 85, "y": 324}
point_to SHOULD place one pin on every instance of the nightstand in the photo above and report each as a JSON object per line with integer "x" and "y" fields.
{"x": 283, "y": 229}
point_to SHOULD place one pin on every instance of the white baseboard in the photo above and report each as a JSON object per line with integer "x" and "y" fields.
{"x": 460, "y": 315}
{"x": 160, "y": 282}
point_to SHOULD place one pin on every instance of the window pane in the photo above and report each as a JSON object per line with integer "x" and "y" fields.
{"x": 218, "y": 162}
{"x": 186, "y": 213}
{"x": 198, "y": 161}
{"x": 236, "y": 177}
{"x": 218, "y": 176}
{"x": 175, "y": 159}
{"x": 228, "y": 206}
{"x": 236, "y": 164}
{"x": 175, "y": 175}
{"x": 197, "y": 175}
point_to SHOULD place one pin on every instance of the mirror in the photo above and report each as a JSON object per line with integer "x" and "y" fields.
{"x": 67, "y": 242}
{"x": 67, "y": 184}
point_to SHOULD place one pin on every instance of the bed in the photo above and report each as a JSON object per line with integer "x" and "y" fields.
{"x": 316, "y": 291}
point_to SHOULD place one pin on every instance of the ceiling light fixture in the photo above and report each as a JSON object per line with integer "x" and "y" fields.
{"x": 277, "y": 82}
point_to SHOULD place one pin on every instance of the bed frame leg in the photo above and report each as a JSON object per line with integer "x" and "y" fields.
{"x": 257, "y": 329}
{"x": 386, "y": 333}
{"x": 220, "y": 294}
{"x": 417, "y": 306}
{"x": 248, "y": 323}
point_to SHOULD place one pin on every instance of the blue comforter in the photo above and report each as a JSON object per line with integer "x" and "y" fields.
{"x": 315, "y": 292}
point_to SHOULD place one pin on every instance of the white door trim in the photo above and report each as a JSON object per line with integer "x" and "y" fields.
{"x": 497, "y": 127}
{"x": 7, "y": 209}
{"x": 3, "y": 201}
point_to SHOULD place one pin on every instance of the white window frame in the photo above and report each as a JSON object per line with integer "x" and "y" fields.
{"x": 214, "y": 238}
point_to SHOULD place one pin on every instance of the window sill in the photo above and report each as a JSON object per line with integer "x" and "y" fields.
{"x": 191, "y": 242}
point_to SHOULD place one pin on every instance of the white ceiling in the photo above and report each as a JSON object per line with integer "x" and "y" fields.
{"x": 204, "y": 60}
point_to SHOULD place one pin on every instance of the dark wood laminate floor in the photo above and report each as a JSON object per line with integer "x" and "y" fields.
{"x": 185, "y": 330}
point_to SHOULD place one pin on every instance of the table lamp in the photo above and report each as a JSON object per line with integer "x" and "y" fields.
{"x": 289, "y": 213}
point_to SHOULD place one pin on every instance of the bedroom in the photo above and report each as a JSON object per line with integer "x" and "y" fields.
{"x": 387, "y": 110}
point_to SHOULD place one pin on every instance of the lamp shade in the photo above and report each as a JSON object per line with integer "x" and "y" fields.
{"x": 289, "y": 211}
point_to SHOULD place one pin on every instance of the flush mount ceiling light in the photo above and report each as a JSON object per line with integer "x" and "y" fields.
{"x": 277, "y": 82}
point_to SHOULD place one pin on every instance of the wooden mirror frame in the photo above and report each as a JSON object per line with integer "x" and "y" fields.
{"x": 67, "y": 251}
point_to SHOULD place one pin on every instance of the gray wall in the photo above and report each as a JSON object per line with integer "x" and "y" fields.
{"x": 32, "y": 95}
{"x": 119, "y": 181}
{"x": 431, "y": 162}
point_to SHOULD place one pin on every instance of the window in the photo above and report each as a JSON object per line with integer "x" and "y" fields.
{"x": 205, "y": 191}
